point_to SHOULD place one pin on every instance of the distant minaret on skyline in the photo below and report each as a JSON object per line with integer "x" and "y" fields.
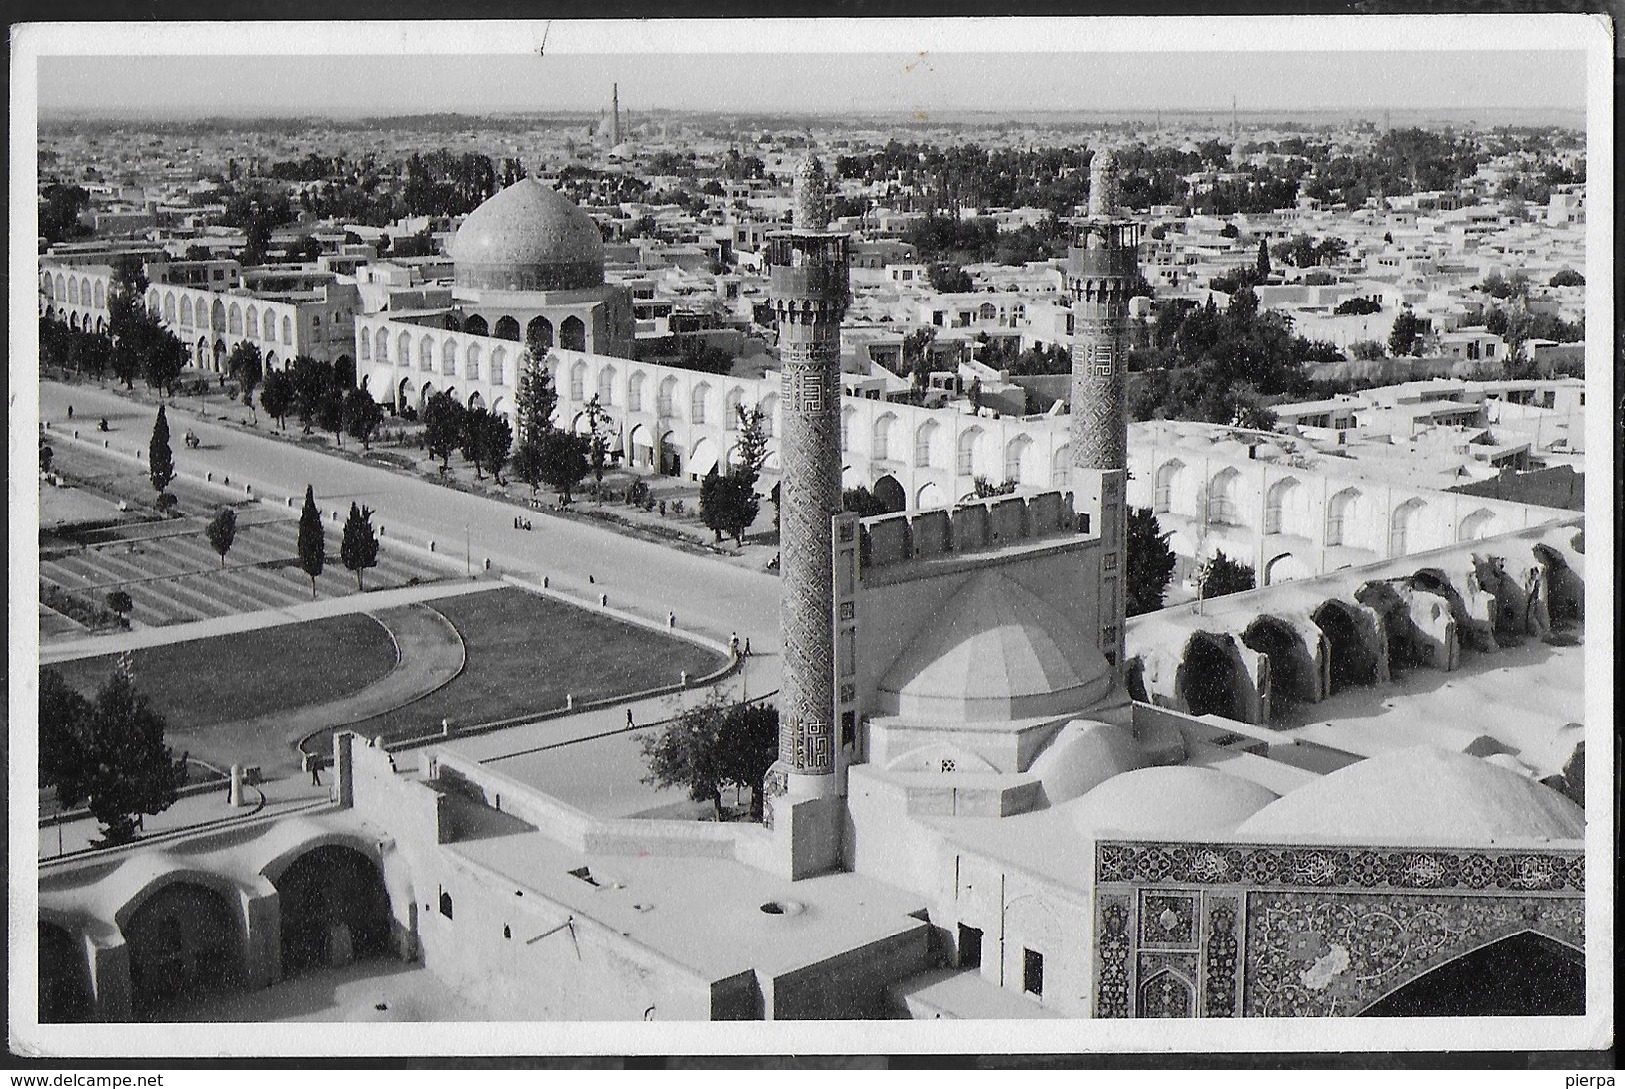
{"x": 615, "y": 108}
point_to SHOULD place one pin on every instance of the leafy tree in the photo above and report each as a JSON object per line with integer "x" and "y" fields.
{"x": 728, "y": 505}
{"x": 1407, "y": 330}
{"x": 359, "y": 548}
{"x": 63, "y": 717}
{"x": 443, "y": 429}
{"x": 277, "y": 396}
{"x": 1220, "y": 575}
{"x": 1566, "y": 277}
{"x": 222, "y": 531}
{"x": 330, "y": 413}
{"x": 563, "y": 461}
{"x": 715, "y": 744}
{"x": 534, "y": 399}
{"x": 362, "y": 416}
{"x": 247, "y": 367}
{"x": 975, "y": 394}
{"x": 1149, "y": 561}
{"x": 1367, "y": 350}
{"x": 111, "y": 755}
{"x": 312, "y": 540}
{"x": 46, "y": 456}
{"x": 312, "y": 383}
{"x": 120, "y": 602}
{"x": 526, "y": 466}
{"x": 598, "y": 442}
{"x": 949, "y": 279}
{"x": 983, "y": 488}
{"x": 160, "y": 459}
{"x": 862, "y": 502}
{"x": 917, "y": 355}
{"x": 1357, "y": 305}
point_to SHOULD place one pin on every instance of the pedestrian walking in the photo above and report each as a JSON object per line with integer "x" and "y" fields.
{"x": 733, "y": 644}
{"x": 315, "y": 774}
{"x": 747, "y": 646}
{"x": 70, "y": 412}
{"x": 629, "y": 723}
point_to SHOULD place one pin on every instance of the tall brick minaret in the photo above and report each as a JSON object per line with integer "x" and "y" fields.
{"x": 807, "y": 280}
{"x": 1102, "y": 270}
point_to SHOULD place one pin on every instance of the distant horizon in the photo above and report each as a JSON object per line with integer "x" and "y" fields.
{"x": 919, "y": 68}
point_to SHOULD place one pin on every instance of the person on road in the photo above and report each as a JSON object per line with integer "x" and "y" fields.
{"x": 733, "y": 644}
{"x": 70, "y": 412}
{"x": 629, "y": 723}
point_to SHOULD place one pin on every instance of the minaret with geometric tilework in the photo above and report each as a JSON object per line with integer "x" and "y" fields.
{"x": 807, "y": 277}
{"x": 1102, "y": 271}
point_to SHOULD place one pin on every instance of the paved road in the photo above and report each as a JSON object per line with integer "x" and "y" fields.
{"x": 707, "y": 594}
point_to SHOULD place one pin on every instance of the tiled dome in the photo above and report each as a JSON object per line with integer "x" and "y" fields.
{"x": 529, "y": 237}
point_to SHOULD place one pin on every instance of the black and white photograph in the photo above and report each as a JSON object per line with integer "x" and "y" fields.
{"x": 1012, "y": 535}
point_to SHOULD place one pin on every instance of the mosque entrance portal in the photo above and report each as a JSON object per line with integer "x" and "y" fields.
{"x": 334, "y": 909}
{"x": 1524, "y": 975}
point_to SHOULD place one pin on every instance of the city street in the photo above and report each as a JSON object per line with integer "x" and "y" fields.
{"x": 706, "y": 594}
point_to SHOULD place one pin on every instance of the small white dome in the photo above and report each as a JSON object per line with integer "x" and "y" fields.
{"x": 1082, "y": 756}
{"x": 1169, "y": 801}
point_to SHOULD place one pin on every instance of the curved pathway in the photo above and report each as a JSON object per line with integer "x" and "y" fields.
{"x": 429, "y": 653}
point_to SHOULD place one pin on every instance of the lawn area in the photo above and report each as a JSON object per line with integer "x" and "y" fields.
{"x": 525, "y": 652}
{"x": 204, "y": 682}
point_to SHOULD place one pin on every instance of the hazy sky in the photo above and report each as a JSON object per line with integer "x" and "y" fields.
{"x": 728, "y": 71}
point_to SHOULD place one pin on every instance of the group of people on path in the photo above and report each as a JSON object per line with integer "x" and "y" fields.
{"x": 521, "y": 523}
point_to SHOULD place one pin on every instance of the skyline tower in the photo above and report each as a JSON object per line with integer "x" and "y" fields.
{"x": 1102, "y": 270}
{"x": 808, "y": 272}
{"x": 615, "y": 108}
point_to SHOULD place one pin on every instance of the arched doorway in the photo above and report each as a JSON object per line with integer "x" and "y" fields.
{"x": 890, "y": 494}
{"x": 334, "y": 909}
{"x": 930, "y": 495}
{"x": 219, "y": 355}
{"x": 573, "y": 335}
{"x": 1565, "y": 593}
{"x": 1210, "y": 677}
{"x": 1285, "y": 568}
{"x": 476, "y": 326}
{"x": 643, "y": 448}
{"x": 64, "y": 992}
{"x": 539, "y": 335}
{"x": 184, "y": 941}
{"x": 1351, "y": 660}
{"x": 1524, "y": 975}
{"x": 507, "y": 328}
{"x": 1292, "y": 671}
{"x": 671, "y": 458}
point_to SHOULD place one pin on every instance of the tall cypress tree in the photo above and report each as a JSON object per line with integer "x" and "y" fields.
{"x": 160, "y": 460}
{"x": 1263, "y": 258}
{"x": 359, "y": 548}
{"x": 312, "y": 541}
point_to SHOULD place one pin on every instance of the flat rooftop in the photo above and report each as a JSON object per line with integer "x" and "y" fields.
{"x": 671, "y": 905}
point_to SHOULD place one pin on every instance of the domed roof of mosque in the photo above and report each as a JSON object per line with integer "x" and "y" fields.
{"x": 996, "y": 651}
{"x": 1422, "y": 794}
{"x": 1082, "y": 756}
{"x": 528, "y": 237}
{"x": 1169, "y": 801}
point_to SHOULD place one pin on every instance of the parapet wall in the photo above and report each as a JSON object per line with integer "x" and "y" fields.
{"x": 891, "y": 539}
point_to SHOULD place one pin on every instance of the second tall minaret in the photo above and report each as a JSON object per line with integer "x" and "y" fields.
{"x": 1102, "y": 271}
